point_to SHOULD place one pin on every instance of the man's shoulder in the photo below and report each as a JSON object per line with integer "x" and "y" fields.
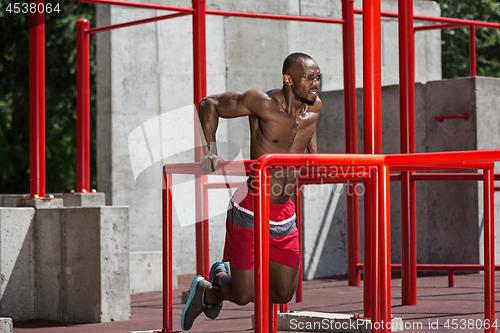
{"x": 261, "y": 100}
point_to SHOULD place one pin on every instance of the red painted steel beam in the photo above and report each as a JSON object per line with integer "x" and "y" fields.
{"x": 385, "y": 248}
{"x": 139, "y": 5}
{"x": 167, "y": 254}
{"x": 299, "y": 293}
{"x": 407, "y": 145}
{"x": 220, "y": 185}
{"x": 372, "y": 119}
{"x": 351, "y": 139}
{"x": 132, "y": 23}
{"x": 83, "y": 107}
{"x": 439, "y": 26}
{"x": 450, "y": 157}
{"x": 274, "y": 16}
{"x": 200, "y": 91}
{"x": 37, "y": 103}
{"x": 489, "y": 248}
{"x": 439, "y": 19}
{"x": 472, "y": 47}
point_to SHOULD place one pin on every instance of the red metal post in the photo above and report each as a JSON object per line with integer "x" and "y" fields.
{"x": 200, "y": 91}
{"x": 372, "y": 119}
{"x": 489, "y": 248}
{"x": 385, "y": 248}
{"x": 298, "y": 221}
{"x": 407, "y": 135}
{"x": 261, "y": 249}
{"x": 37, "y": 103}
{"x": 167, "y": 254}
{"x": 283, "y": 308}
{"x": 351, "y": 140}
{"x": 472, "y": 46}
{"x": 375, "y": 254}
{"x": 273, "y": 318}
{"x": 83, "y": 107}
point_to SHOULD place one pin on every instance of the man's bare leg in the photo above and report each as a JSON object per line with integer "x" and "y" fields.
{"x": 239, "y": 286}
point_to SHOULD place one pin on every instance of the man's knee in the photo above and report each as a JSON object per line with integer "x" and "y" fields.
{"x": 243, "y": 298}
{"x": 282, "y": 295}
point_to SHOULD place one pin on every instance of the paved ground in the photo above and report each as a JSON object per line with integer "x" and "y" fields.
{"x": 437, "y": 305}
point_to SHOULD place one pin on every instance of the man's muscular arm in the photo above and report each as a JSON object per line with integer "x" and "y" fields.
{"x": 231, "y": 104}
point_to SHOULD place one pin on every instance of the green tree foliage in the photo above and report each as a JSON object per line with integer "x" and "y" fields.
{"x": 456, "y": 41}
{"x": 60, "y": 97}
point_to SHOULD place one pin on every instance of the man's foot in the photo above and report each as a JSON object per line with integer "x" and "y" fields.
{"x": 194, "y": 305}
{"x": 212, "y": 311}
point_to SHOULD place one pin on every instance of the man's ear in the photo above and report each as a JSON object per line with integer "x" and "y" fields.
{"x": 287, "y": 79}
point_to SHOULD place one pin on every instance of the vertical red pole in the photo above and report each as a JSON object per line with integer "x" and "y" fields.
{"x": 407, "y": 145}
{"x": 200, "y": 91}
{"x": 261, "y": 249}
{"x": 298, "y": 221}
{"x": 167, "y": 253}
{"x": 83, "y": 107}
{"x": 283, "y": 308}
{"x": 489, "y": 248}
{"x": 375, "y": 254}
{"x": 351, "y": 140}
{"x": 37, "y": 103}
{"x": 385, "y": 249}
{"x": 472, "y": 46}
{"x": 372, "y": 122}
{"x": 273, "y": 318}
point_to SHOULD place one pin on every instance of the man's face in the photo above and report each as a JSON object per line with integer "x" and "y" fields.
{"x": 306, "y": 80}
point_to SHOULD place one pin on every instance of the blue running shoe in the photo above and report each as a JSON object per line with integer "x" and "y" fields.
{"x": 212, "y": 311}
{"x": 194, "y": 305}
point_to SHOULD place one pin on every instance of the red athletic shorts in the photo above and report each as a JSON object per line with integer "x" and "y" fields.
{"x": 283, "y": 234}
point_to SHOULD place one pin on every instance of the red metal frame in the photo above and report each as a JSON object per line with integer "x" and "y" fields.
{"x": 37, "y": 103}
{"x": 83, "y": 107}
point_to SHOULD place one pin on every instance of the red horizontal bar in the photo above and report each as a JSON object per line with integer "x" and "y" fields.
{"x": 222, "y": 185}
{"x": 441, "y": 267}
{"x": 132, "y": 23}
{"x": 451, "y": 176}
{"x": 439, "y": 19}
{"x": 321, "y": 181}
{"x": 452, "y": 166}
{"x": 448, "y": 158}
{"x": 439, "y": 26}
{"x": 139, "y": 5}
{"x": 497, "y": 188}
{"x": 274, "y": 16}
{"x": 465, "y": 116}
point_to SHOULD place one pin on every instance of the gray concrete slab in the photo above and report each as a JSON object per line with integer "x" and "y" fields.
{"x": 6, "y": 325}
{"x": 40, "y": 203}
{"x": 82, "y": 199}
{"x": 17, "y": 264}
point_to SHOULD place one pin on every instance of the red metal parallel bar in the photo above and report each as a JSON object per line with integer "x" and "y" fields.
{"x": 489, "y": 248}
{"x": 132, "y": 23}
{"x": 442, "y": 267}
{"x": 472, "y": 47}
{"x": 439, "y": 26}
{"x": 374, "y": 253}
{"x": 351, "y": 139}
{"x": 261, "y": 248}
{"x": 83, "y": 107}
{"x": 435, "y": 167}
{"x": 140, "y": 5}
{"x": 372, "y": 122}
{"x": 497, "y": 188}
{"x": 298, "y": 221}
{"x": 274, "y": 16}
{"x": 385, "y": 248}
{"x": 167, "y": 254}
{"x": 439, "y": 19}
{"x": 283, "y": 308}
{"x": 465, "y": 116}
{"x": 450, "y": 157}
{"x": 451, "y": 176}
{"x": 273, "y": 318}
{"x": 407, "y": 145}
{"x": 37, "y": 103}
{"x": 200, "y": 91}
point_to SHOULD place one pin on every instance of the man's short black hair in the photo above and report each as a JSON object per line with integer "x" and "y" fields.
{"x": 292, "y": 59}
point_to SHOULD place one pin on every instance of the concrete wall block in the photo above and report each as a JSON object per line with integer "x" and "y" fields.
{"x": 50, "y": 258}
{"x": 146, "y": 272}
{"x": 82, "y": 199}
{"x": 17, "y": 264}
{"x": 6, "y": 325}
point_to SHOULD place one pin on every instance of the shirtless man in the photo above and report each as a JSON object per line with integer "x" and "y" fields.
{"x": 281, "y": 121}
